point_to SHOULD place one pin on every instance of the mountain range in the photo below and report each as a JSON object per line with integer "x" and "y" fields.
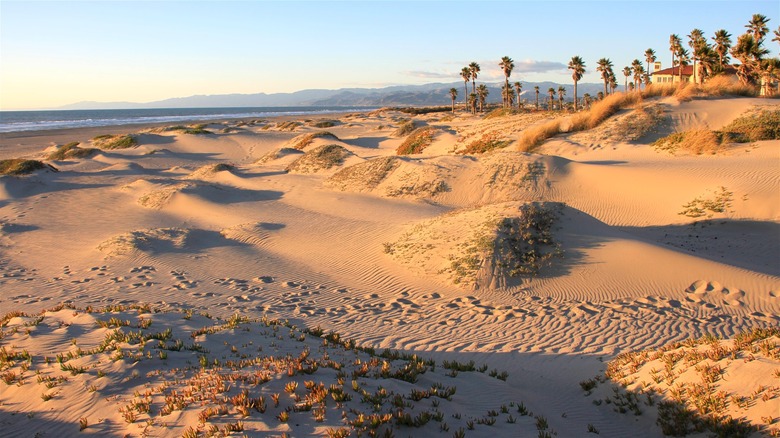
{"x": 402, "y": 95}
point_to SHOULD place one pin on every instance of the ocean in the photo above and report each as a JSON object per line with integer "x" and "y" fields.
{"x": 16, "y": 121}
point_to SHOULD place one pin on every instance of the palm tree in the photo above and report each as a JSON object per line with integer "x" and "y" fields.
{"x": 473, "y": 102}
{"x": 722, "y": 41}
{"x": 750, "y": 54}
{"x": 465, "y": 73}
{"x": 708, "y": 62}
{"x": 474, "y": 69}
{"x": 577, "y": 67}
{"x": 518, "y": 90}
{"x": 586, "y": 98}
{"x": 508, "y": 94}
{"x": 674, "y": 44}
{"x": 695, "y": 42}
{"x": 639, "y": 71}
{"x": 551, "y": 92}
{"x": 682, "y": 59}
{"x": 507, "y": 65}
{"x": 536, "y": 88}
{"x": 561, "y": 94}
{"x": 649, "y": 57}
{"x": 627, "y": 74}
{"x": 453, "y": 95}
{"x": 758, "y": 27}
{"x": 770, "y": 71}
{"x": 482, "y": 92}
{"x": 600, "y": 95}
{"x": 612, "y": 81}
{"x": 777, "y": 35}
{"x": 604, "y": 66}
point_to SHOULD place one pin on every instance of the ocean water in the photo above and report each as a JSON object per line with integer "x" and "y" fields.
{"x": 16, "y": 121}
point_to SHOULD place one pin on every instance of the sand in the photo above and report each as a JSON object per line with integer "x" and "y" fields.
{"x": 236, "y": 229}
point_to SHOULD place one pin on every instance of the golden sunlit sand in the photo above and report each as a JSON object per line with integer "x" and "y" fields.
{"x": 266, "y": 278}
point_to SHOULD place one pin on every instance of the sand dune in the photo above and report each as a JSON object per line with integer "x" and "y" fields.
{"x": 545, "y": 265}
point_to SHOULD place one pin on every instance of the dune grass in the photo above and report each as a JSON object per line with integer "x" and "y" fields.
{"x": 70, "y": 150}
{"x": 534, "y": 136}
{"x": 500, "y": 112}
{"x": 416, "y": 142}
{"x": 697, "y": 141}
{"x": 488, "y": 142}
{"x": 288, "y": 125}
{"x": 320, "y": 158}
{"x": 405, "y": 128}
{"x": 754, "y": 126}
{"x": 19, "y": 166}
{"x": 325, "y": 123}
{"x": 307, "y": 139}
{"x": 115, "y": 141}
{"x": 602, "y": 110}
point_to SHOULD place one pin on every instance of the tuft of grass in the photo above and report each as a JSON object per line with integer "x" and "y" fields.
{"x": 534, "y": 136}
{"x": 288, "y": 125}
{"x": 418, "y": 140}
{"x": 115, "y": 141}
{"x": 717, "y": 86}
{"x": 697, "y": 141}
{"x": 325, "y": 123}
{"x": 70, "y": 150}
{"x": 323, "y": 157}
{"x": 500, "y": 112}
{"x": 19, "y": 166}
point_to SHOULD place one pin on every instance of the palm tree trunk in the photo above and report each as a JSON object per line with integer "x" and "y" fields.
{"x": 575, "y": 96}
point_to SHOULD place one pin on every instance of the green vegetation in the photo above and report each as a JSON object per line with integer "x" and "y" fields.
{"x": 323, "y": 157}
{"x": 755, "y": 126}
{"x": 418, "y": 140}
{"x": 115, "y": 141}
{"x": 19, "y": 166}
{"x": 325, "y": 123}
{"x": 501, "y": 112}
{"x": 423, "y": 110}
{"x": 288, "y": 125}
{"x": 71, "y": 150}
{"x": 718, "y": 203}
{"x": 192, "y": 129}
{"x": 525, "y": 244}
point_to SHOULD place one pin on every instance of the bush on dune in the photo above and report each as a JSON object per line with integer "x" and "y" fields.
{"x": 303, "y": 141}
{"x": 71, "y": 150}
{"x": 602, "y": 110}
{"x": 405, "y": 128}
{"x": 115, "y": 141}
{"x": 488, "y": 142}
{"x": 756, "y": 126}
{"x": 418, "y": 140}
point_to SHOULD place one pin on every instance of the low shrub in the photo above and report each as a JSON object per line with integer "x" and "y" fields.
{"x": 424, "y": 110}
{"x": 19, "y": 166}
{"x": 308, "y": 139}
{"x": 534, "y": 136}
{"x": 756, "y": 126}
{"x": 501, "y": 112}
{"x": 488, "y": 142}
{"x": 405, "y": 128}
{"x": 288, "y": 125}
{"x": 325, "y": 123}
{"x": 418, "y": 140}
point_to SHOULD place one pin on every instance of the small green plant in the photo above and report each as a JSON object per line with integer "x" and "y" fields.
{"x": 720, "y": 202}
{"x": 115, "y": 141}
{"x": 488, "y": 142}
{"x": 70, "y": 150}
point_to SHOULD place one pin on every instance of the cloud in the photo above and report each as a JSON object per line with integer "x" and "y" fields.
{"x": 531, "y": 66}
{"x": 429, "y": 74}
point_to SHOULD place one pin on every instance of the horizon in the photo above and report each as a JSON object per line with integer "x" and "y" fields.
{"x": 61, "y": 53}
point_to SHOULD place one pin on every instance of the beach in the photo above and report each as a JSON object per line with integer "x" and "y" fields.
{"x": 543, "y": 266}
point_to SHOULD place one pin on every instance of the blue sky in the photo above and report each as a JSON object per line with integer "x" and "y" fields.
{"x": 55, "y": 53}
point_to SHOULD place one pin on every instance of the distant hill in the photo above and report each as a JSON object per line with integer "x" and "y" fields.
{"x": 413, "y": 95}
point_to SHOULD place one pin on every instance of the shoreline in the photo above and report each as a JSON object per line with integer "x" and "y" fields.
{"x": 23, "y": 144}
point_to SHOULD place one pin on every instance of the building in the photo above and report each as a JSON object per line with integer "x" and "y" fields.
{"x": 672, "y": 75}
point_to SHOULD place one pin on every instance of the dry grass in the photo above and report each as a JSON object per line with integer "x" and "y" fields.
{"x": 534, "y": 136}
{"x": 697, "y": 141}
{"x": 115, "y": 141}
{"x": 488, "y": 142}
{"x": 602, "y": 110}
{"x": 717, "y": 86}
{"x": 405, "y": 128}
{"x": 417, "y": 141}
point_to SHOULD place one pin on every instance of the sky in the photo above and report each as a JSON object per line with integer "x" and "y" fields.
{"x": 54, "y": 53}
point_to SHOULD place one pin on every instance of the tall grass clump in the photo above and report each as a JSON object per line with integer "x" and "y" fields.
{"x": 19, "y": 166}
{"x": 488, "y": 142}
{"x": 70, "y": 150}
{"x": 723, "y": 85}
{"x": 534, "y": 136}
{"x": 418, "y": 140}
{"x": 602, "y": 110}
{"x": 115, "y": 141}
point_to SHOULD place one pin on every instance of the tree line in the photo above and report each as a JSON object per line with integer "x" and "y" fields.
{"x": 709, "y": 60}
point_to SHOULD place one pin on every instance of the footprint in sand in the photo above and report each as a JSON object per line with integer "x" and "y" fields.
{"x": 774, "y": 294}
{"x": 733, "y": 296}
